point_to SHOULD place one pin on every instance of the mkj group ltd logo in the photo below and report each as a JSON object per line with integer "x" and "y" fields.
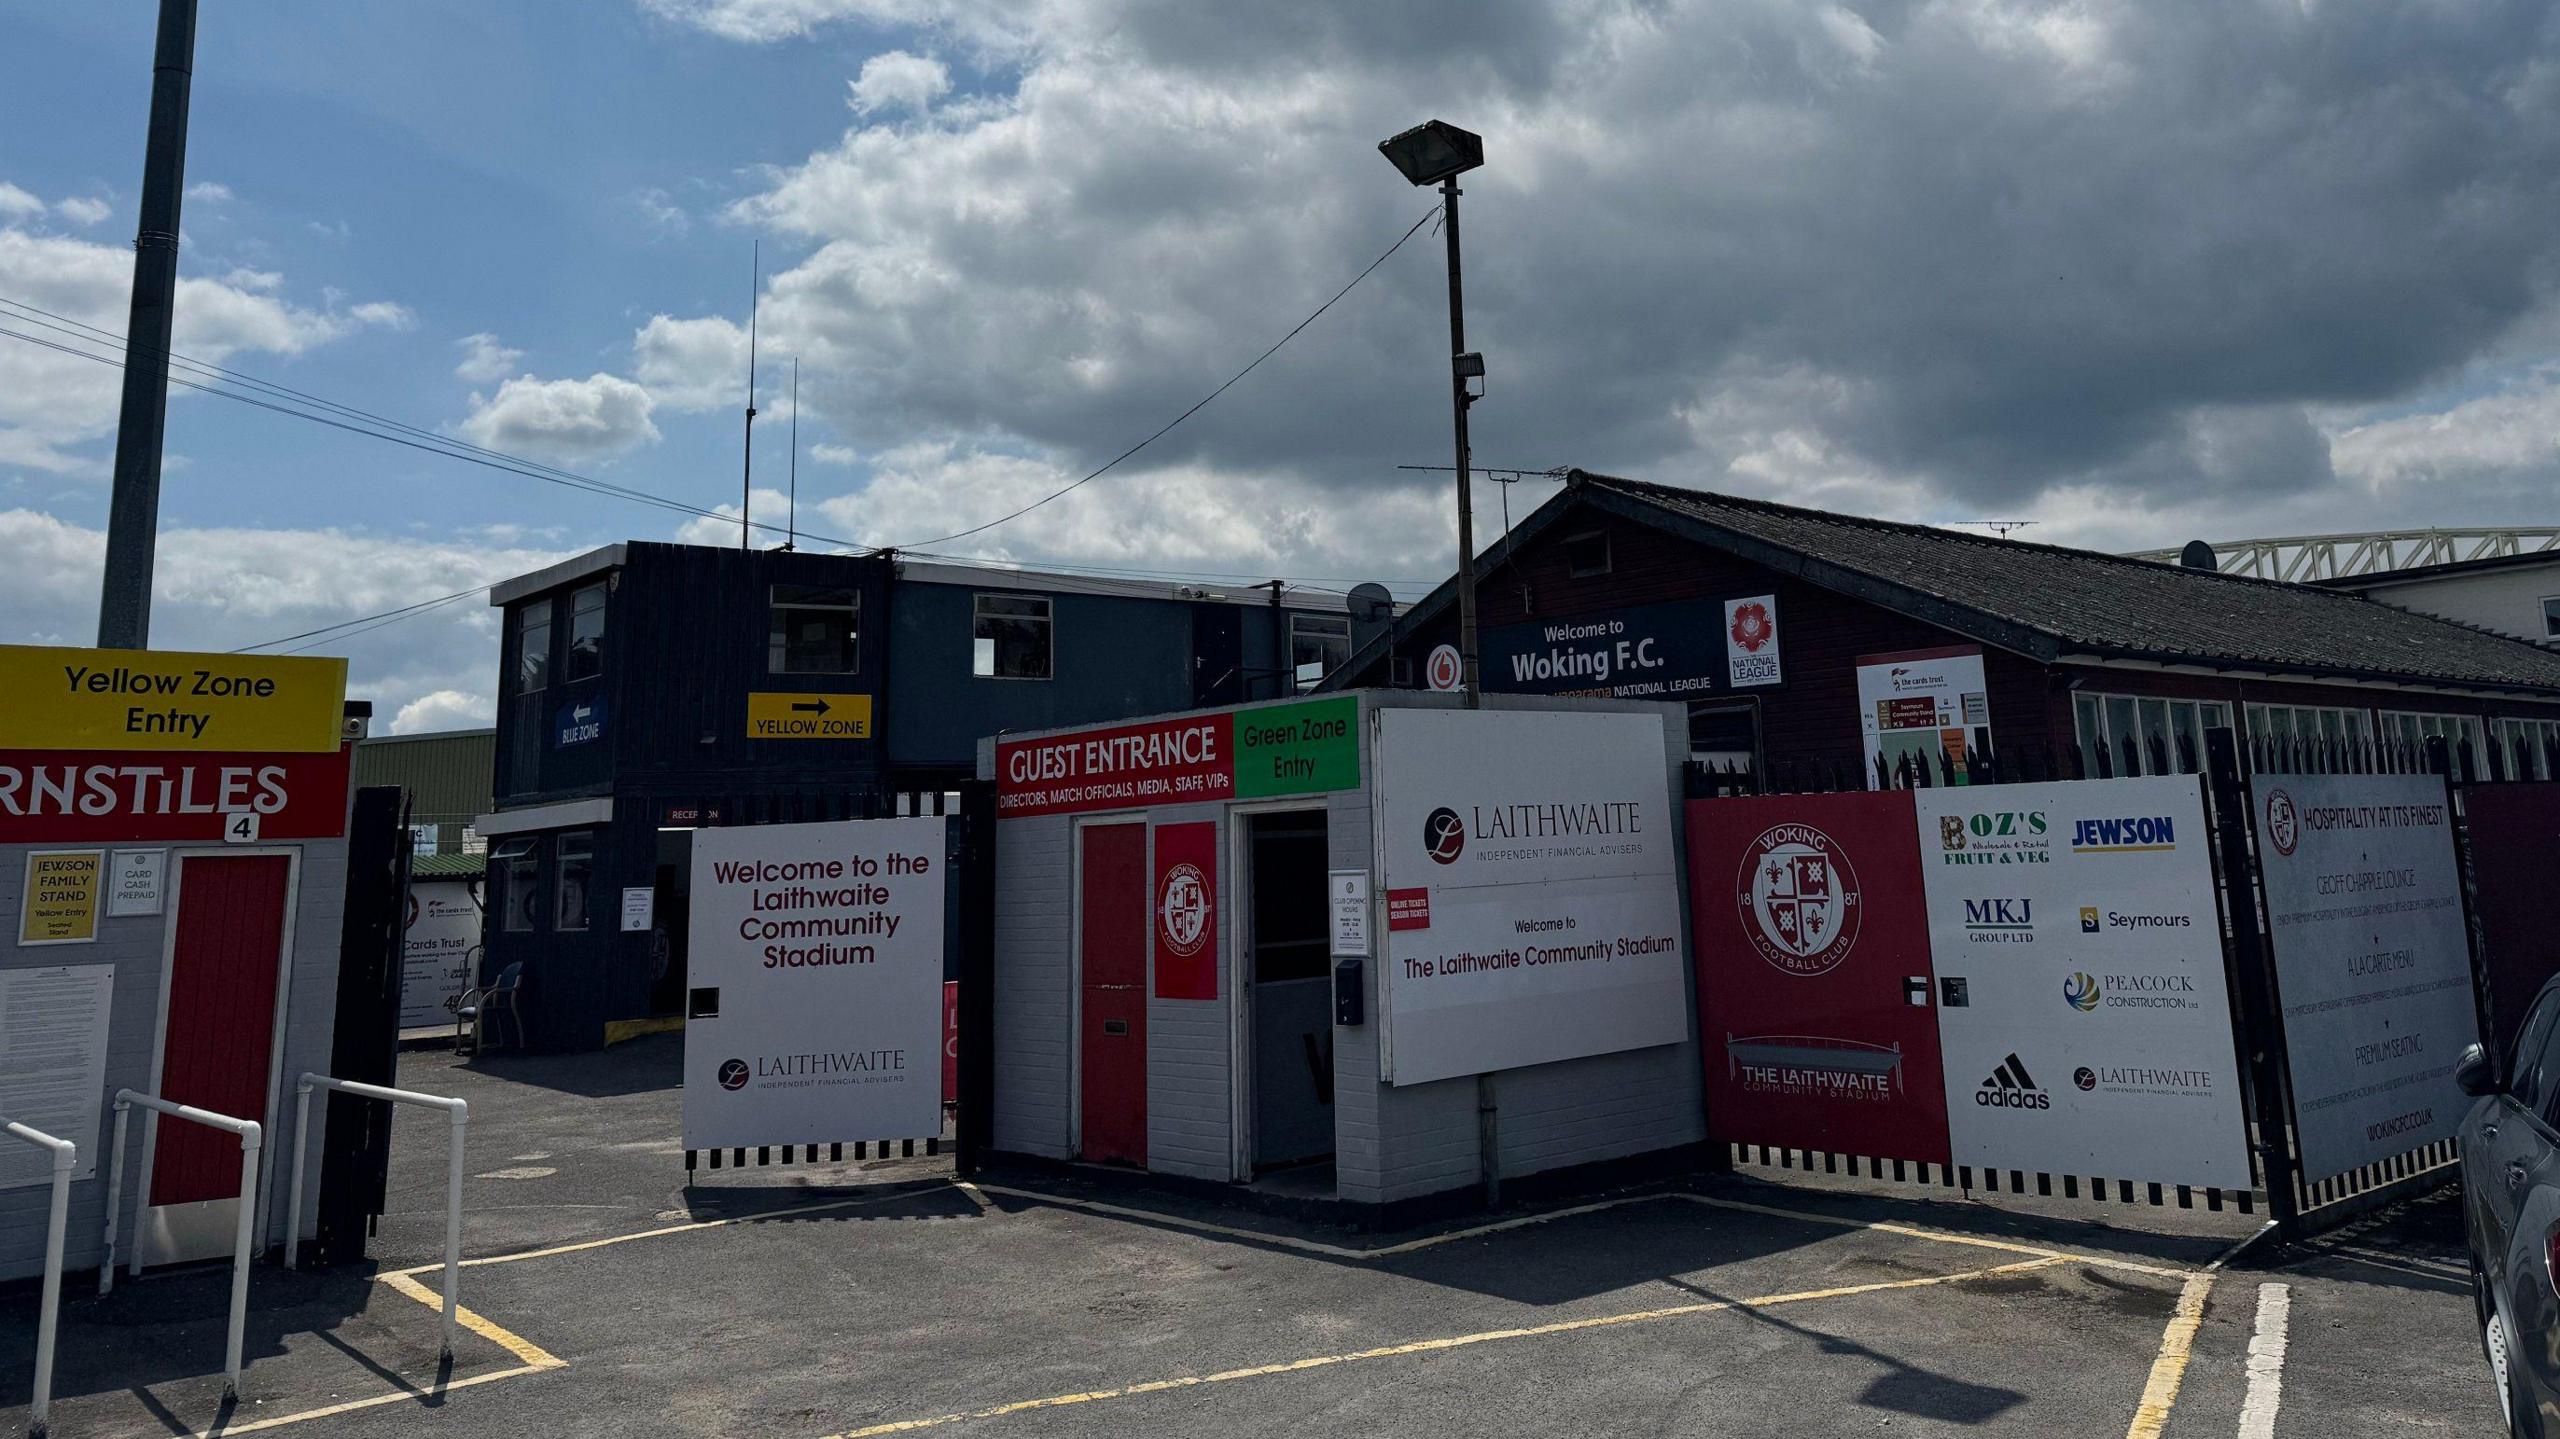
{"x": 2080, "y": 991}
{"x": 1798, "y": 895}
{"x": 1444, "y": 835}
{"x": 733, "y": 1074}
{"x": 2284, "y": 822}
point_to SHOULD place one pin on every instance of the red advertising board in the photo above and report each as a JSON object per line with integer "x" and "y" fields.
{"x": 2515, "y": 830}
{"x": 76, "y": 796}
{"x": 1175, "y": 761}
{"x": 1816, "y": 1011}
{"x": 1185, "y": 896}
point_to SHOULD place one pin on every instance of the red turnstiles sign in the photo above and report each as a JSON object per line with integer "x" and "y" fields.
{"x": 1814, "y": 982}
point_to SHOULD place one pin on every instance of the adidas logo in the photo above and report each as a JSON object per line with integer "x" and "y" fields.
{"x": 2011, "y": 1087}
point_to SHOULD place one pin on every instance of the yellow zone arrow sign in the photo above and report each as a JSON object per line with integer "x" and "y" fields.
{"x": 778, "y": 715}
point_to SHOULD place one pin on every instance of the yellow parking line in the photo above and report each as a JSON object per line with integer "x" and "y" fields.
{"x": 533, "y": 1355}
{"x": 658, "y": 1233}
{"x": 2177, "y": 1346}
{"x": 1429, "y": 1346}
{"x": 2103, "y": 1261}
{"x": 352, "y": 1405}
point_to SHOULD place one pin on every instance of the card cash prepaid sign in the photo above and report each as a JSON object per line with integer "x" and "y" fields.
{"x": 75, "y": 699}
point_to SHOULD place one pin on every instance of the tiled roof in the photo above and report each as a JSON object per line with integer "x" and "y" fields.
{"x": 2084, "y": 602}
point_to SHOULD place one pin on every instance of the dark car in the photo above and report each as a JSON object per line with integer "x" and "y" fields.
{"x": 2511, "y": 1215}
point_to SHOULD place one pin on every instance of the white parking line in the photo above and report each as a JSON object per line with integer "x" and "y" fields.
{"x": 2266, "y": 1362}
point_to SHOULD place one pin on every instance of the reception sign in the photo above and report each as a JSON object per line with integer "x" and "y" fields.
{"x": 816, "y": 1013}
{"x": 2084, "y": 1023}
{"x": 1814, "y": 977}
{"x": 1533, "y": 901}
{"x": 2364, "y": 904}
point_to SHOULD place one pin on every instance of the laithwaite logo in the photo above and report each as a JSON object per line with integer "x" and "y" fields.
{"x": 2011, "y": 1087}
{"x": 733, "y": 1074}
{"x": 1444, "y": 835}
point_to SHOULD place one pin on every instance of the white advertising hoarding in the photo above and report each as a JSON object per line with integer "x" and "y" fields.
{"x": 1921, "y": 705}
{"x": 435, "y": 951}
{"x": 1533, "y": 902}
{"x": 2364, "y": 905}
{"x": 2084, "y": 1021}
{"x": 815, "y": 964}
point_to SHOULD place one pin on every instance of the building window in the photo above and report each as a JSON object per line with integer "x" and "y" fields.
{"x": 2167, "y": 734}
{"x": 814, "y": 630}
{"x": 1725, "y": 733}
{"x": 2315, "y": 724}
{"x": 1011, "y": 638}
{"x": 533, "y": 646}
{"x": 573, "y": 865}
{"x": 586, "y": 633}
{"x": 1323, "y": 641}
{"x": 2524, "y": 747}
{"x": 2551, "y": 618}
{"x": 1586, "y": 555}
{"x": 2413, "y": 730}
{"x": 515, "y": 867}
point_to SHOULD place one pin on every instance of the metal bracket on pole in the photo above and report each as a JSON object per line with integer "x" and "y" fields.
{"x": 457, "y": 1112}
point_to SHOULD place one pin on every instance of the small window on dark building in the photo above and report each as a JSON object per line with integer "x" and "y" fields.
{"x": 515, "y": 868}
{"x": 1010, "y": 639}
{"x": 1586, "y": 555}
{"x": 814, "y": 630}
{"x": 585, "y": 659}
{"x": 2551, "y": 618}
{"x": 533, "y": 646}
{"x": 1725, "y": 734}
{"x": 1320, "y": 640}
{"x": 573, "y": 865}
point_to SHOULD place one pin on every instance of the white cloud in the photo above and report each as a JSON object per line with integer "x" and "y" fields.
{"x": 17, "y": 204}
{"x": 771, "y": 506}
{"x": 2517, "y": 429}
{"x": 827, "y": 454}
{"x": 209, "y": 192}
{"x": 564, "y": 421}
{"x": 52, "y": 404}
{"x": 897, "y": 80}
{"x": 221, "y": 588}
{"x": 445, "y": 709}
{"x": 83, "y": 210}
{"x": 759, "y": 21}
{"x": 484, "y": 360}
{"x": 693, "y": 365}
{"x": 661, "y": 210}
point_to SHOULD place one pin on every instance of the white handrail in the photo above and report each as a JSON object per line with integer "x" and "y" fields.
{"x": 458, "y": 1111}
{"x": 66, "y": 1158}
{"x": 251, "y": 1135}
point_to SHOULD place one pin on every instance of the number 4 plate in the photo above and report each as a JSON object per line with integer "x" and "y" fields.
{"x": 240, "y": 828}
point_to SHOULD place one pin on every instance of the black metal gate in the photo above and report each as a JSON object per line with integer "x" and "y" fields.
{"x": 355, "y": 1169}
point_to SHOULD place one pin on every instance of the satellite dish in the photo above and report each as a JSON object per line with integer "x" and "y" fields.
{"x": 2199, "y": 556}
{"x": 1370, "y": 604}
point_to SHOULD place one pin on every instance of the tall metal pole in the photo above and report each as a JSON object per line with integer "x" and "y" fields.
{"x": 1458, "y": 402}
{"x": 747, "y": 463}
{"x": 133, "y": 510}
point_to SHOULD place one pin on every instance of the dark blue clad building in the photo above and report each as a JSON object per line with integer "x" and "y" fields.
{"x": 649, "y": 689}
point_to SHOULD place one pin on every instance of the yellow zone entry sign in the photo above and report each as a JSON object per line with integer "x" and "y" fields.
{"x": 776, "y": 715}
{"x": 73, "y": 699}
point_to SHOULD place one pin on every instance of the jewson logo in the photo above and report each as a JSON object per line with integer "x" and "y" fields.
{"x": 2011, "y": 1087}
{"x": 2130, "y": 834}
{"x": 2080, "y": 991}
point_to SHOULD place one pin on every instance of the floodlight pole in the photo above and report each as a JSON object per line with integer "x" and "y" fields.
{"x": 133, "y": 506}
{"x": 1459, "y": 400}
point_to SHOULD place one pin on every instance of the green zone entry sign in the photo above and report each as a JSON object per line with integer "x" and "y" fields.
{"x": 1297, "y": 749}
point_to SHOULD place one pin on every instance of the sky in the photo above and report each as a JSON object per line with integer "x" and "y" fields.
{"x": 2137, "y": 272}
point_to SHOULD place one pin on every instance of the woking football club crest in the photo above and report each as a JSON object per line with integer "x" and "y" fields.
{"x": 1799, "y": 899}
{"x": 1183, "y": 913}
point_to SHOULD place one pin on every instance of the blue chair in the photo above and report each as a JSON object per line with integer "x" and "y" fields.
{"x": 475, "y": 1007}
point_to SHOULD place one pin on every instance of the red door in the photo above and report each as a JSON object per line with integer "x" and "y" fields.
{"x": 222, "y": 1017}
{"x": 1113, "y": 943}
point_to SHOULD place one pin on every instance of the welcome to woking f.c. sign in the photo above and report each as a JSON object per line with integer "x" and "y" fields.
{"x": 1303, "y": 748}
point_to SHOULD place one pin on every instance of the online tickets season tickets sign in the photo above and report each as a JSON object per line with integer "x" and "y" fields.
{"x": 1533, "y": 908}
{"x": 816, "y": 968}
{"x": 2365, "y": 905}
{"x": 2084, "y": 1026}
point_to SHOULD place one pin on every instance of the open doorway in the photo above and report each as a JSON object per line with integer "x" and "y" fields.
{"x": 1286, "y": 957}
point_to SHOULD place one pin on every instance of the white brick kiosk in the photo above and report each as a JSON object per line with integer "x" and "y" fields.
{"x": 1293, "y": 944}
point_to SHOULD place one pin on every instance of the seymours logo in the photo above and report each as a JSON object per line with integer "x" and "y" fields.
{"x": 1182, "y": 910}
{"x": 1798, "y": 895}
{"x": 2000, "y": 836}
{"x": 733, "y": 1074}
{"x": 1444, "y": 835}
{"x": 2284, "y": 822}
{"x": 2011, "y": 1087}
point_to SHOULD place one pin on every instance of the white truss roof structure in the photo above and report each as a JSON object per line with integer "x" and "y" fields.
{"x": 2303, "y": 558}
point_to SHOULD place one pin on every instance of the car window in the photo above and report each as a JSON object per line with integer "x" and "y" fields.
{"x": 2531, "y": 1073}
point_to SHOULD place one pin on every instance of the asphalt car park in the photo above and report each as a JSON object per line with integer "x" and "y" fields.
{"x": 605, "y": 1293}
